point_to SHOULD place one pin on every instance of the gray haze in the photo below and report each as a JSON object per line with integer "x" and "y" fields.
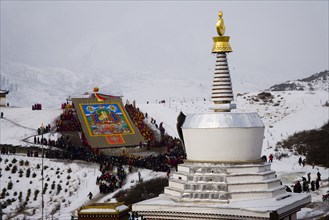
{"x": 272, "y": 41}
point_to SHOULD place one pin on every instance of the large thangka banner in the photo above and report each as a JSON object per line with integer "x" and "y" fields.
{"x": 106, "y": 124}
{"x": 106, "y": 120}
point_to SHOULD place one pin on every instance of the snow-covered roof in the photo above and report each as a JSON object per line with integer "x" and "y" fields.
{"x": 104, "y": 208}
{"x": 98, "y": 210}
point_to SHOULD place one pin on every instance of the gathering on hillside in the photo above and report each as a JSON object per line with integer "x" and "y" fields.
{"x": 158, "y": 151}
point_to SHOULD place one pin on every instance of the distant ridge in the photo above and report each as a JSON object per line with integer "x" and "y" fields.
{"x": 318, "y": 81}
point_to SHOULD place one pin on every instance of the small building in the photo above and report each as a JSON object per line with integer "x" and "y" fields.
{"x": 3, "y": 94}
{"x": 104, "y": 211}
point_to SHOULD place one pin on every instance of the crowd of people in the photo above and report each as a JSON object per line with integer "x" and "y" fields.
{"x": 306, "y": 183}
{"x": 138, "y": 118}
{"x": 43, "y": 130}
{"x": 68, "y": 120}
{"x": 36, "y": 106}
{"x": 8, "y": 150}
{"x": 112, "y": 178}
{"x": 66, "y": 105}
{"x": 302, "y": 161}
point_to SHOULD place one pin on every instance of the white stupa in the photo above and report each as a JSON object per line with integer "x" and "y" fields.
{"x": 223, "y": 176}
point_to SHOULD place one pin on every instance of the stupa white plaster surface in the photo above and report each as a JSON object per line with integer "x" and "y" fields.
{"x": 223, "y": 137}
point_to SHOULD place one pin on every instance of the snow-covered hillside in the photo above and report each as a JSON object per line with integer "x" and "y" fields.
{"x": 316, "y": 82}
{"x": 284, "y": 114}
{"x": 288, "y": 112}
{"x": 51, "y": 86}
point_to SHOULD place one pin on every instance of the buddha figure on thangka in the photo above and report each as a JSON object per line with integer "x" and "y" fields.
{"x": 106, "y": 119}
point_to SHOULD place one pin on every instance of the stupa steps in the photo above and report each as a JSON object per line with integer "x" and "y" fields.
{"x": 254, "y": 185}
{"x": 214, "y": 195}
{"x": 229, "y": 178}
{"x": 213, "y": 182}
{"x": 218, "y": 168}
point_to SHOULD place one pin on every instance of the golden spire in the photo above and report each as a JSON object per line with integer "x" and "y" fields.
{"x": 221, "y": 43}
{"x": 220, "y": 24}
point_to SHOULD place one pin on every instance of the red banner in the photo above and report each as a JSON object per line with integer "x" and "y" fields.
{"x": 115, "y": 139}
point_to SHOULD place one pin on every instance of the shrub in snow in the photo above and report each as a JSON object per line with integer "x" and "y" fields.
{"x": 28, "y": 195}
{"x": 8, "y": 201}
{"x": 10, "y": 185}
{"x": 38, "y": 166}
{"x": 68, "y": 177}
{"x": 53, "y": 185}
{"x": 45, "y": 167}
{"x": 55, "y": 209}
{"x": 14, "y": 160}
{"x": 28, "y": 173}
{"x": 279, "y": 156}
{"x": 59, "y": 188}
{"x": 69, "y": 170}
{"x": 36, "y": 192}
{"x": 48, "y": 179}
{"x": 17, "y": 181}
{"x": 58, "y": 176}
{"x": 7, "y": 168}
{"x": 10, "y": 165}
{"x": 34, "y": 175}
{"x": 20, "y": 196}
{"x": 67, "y": 183}
{"x": 3, "y": 193}
{"x": 14, "y": 169}
{"x": 15, "y": 193}
{"x": 20, "y": 173}
{"x": 57, "y": 172}
{"x": 45, "y": 187}
{"x": 31, "y": 182}
{"x": 141, "y": 191}
{"x": 6, "y": 160}
{"x": 65, "y": 190}
{"x": 27, "y": 163}
{"x": 21, "y": 162}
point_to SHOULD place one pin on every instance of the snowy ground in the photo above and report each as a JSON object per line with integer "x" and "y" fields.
{"x": 296, "y": 111}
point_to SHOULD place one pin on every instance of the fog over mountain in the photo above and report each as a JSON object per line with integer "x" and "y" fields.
{"x": 273, "y": 41}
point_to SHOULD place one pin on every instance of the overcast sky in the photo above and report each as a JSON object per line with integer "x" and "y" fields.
{"x": 271, "y": 41}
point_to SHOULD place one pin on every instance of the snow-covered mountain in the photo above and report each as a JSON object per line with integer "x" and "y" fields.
{"x": 50, "y": 86}
{"x": 318, "y": 81}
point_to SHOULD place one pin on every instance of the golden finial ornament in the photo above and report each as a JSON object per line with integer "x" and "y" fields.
{"x": 220, "y": 24}
{"x": 221, "y": 42}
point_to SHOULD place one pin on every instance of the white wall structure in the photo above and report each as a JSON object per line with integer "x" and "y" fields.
{"x": 223, "y": 137}
{"x": 3, "y": 101}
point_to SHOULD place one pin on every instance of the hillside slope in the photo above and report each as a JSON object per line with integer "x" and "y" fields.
{"x": 313, "y": 144}
{"x": 318, "y": 81}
